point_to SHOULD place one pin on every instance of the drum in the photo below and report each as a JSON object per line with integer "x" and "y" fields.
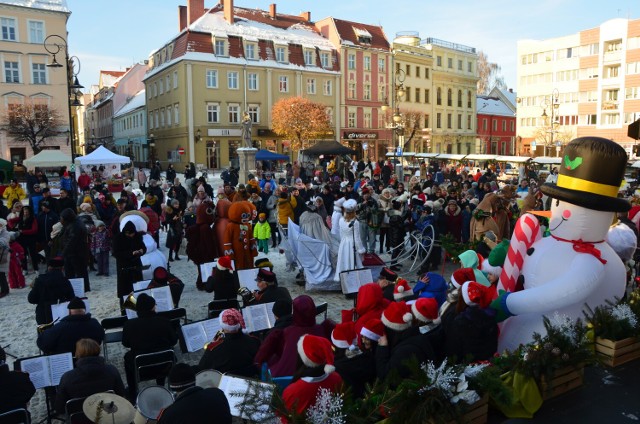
{"x": 208, "y": 379}
{"x": 150, "y": 402}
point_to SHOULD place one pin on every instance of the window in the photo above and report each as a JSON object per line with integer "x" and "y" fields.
{"x": 426, "y": 120}
{"x": 494, "y": 124}
{"x": 484, "y": 124}
{"x": 367, "y": 120}
{"x": 11, "y": 72}
{"x": 459, "y": 98}
{"x": 381, "y": 65}
{"x": 232, "y": 80}
{"x": 417, "y": 96}
{"x": 168, "y": 82}
{"x": 469, "y": 67}
{"x": 351, "y": 61}
{"x": 151, "y": 120}
{"x": 427, "y": 96}
{"x": 438, "y": 60}
{"x": 234, "y": 113}
{"x": 39, "y": 73}
{"x": 8, "y": 29}
{"x": 156, "y": 120}
{"x": 469, "y": 99}
{"x": 439, "y": 96}
{"x": 631, "y": 93}
{"x": 408, "y": 70}
{"x": 417, "y": 72}
{"x": 36, "y": 32}
{"x": 608, "y": 119}
{"x": 367, "y": 91}
{"x": 324, "y": 59}
{"x": 367, "y": 63}
{"x": 161, "y": 86}
{"x": 308, "y": 57}
{"x": 459, "y": 64}
{"x": 250, "y": 51}
{"x": 176, "y": 114}
{"x": 459, "y": 121}
{"x": 281, "y": 54}
{"x": 504, "y": 125}
{"x": 220, "y": 47}
{"x": 213, "y": 113}
{"x": 591, "y": 49}
{"x": 329, "y": 113}
{"x": 426, "y": 73}
{"x": 438, "y": 120}
{"x": 589, "y": 73}
{"x": 351, "y": 90}
{"x": 449, "y": 119}
{"x": 175, "y": 80}
{"x": 169, "y": 116}
{"x": 450, "y": 62}
{"x": 155, "y": 89}
{"x": 351, "y": 121}
{"x": 254, "y": 113}
{"x": 311, "y": 86}
{"x": 589, "y": 119}
{"x": 469, "y": 122}
{"x": 327, "y": 88}
{"x": 407, "y": 94}
{"x": 449, "y": 97}
{"x": 211, "y": 77}
{"x": 252, "y": 81}
{"x": 162, "y": 118}
{"x": 283, "y": 83}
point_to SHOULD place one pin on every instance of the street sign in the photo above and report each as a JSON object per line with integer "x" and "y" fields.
{"x": 181, "y": 150}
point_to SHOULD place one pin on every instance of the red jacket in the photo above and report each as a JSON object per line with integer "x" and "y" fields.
{"x": 301, "y": 395}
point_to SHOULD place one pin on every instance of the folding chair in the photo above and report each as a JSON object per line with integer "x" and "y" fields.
{"x": 112, "y": 336}
{"x": 155, "y": 365}
{"x": 215, "y": 307}
{"x": 175, "y": 315}
{"x": 74, "y": 413}
{"x": 15, "y": 416}
{"x": 322, "y": 309}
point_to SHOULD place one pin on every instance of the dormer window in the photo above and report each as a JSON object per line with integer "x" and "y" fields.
{"x": 220, "y": 48}
{"x": 363, "y": 35}
{"x": 250, "y": 50}
{"x": 308, "y": 57}
{"x": 324, "y": 59}
{"x": 281, "y": 54}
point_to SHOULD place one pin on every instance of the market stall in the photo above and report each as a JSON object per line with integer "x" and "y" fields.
{"x": 111, "y": 163}
{"x": 49, "y": 162}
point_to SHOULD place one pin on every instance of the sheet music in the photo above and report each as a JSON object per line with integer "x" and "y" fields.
{"x": 78, "y": 286}
{"x": 141, "y": 285}
{"x": 236, "y": 389}
{"x": 259, "y": 317}
{"x": 211, "y": 327}
{"x": 162, "y": 296}
{"x": 37, "y": 370}
{"x": 247, "y": 278}
{"x": 194, "y": 336}
{"x": 206, "y": 268}
{"x": 351, "y": 281}
{"x": 59, "y": 364}
{"x": 61, "y": 310}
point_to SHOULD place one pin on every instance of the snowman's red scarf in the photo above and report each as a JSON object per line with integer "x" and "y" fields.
{"x": 584, "y": 247}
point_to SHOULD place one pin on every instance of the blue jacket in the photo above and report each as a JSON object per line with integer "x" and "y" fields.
{"x": 436, "y": 288}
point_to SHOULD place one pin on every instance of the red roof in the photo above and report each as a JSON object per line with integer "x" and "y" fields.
{"x": 116, "y": 74}
{"x": 346, "y": 31}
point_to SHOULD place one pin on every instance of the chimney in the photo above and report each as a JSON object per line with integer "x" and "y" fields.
{"x": 182, "y": 17}
{"x": 511, "y": 90}
{"x": 195, "y": 9}
{"x": 272, "y": 10}
{"x": 306, "y": 16}
{"x": 228, "y": 11}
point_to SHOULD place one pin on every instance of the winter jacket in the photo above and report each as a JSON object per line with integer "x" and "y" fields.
{"x": 49, "y": 289}
{"x": 302, "y": 394}
{"x": 63, "y": 336}
{"x": 262, "y": 231}
{"x": 453, "y": 222}
{"x": 223, "y": 283}
{"x": 435, "y": 288}
{"x": 234, "y": 355}
{"x": 285, "y": 210}
{"x": 272, "y": 209}
{"x": 45, "y": 225}
{"x": 472, "y": 333}
{"x": 396, "y": 231}
{"x": 391, "y": 359}
{"x": 14, "y": 193}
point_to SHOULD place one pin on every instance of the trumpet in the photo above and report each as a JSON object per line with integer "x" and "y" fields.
{"x": 129, "y": 302}
{"x": 219, "y": 336}
{"x": 44, "y": 327}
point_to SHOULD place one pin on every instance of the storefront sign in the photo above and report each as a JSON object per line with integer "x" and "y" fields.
{"x": 224, "y": 132}
{"x": 359, "y": 135}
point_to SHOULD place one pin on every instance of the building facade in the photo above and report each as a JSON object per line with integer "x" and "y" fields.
{"x": 227, "y": 61}
{"x": 594, "y": 75}
{"x": 130, "y": 117}
{"x": 26, "y": 79}
{"x": 496, "y": 127}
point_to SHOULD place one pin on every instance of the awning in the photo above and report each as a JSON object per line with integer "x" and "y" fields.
{"x": 450, "y": 156}
{"x": 480, "y": 157}
{"x": 515, "y": 159}
{"x": 547, "y": 160}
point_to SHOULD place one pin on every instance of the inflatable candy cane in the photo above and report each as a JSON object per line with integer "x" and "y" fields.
{"x": 526, "y": 232}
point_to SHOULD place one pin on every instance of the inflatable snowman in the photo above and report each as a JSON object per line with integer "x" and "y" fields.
{"x": 574, "y": 266}
{"x": 154, "y": 258}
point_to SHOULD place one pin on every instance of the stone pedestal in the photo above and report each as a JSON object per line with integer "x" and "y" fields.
{"x": 247, "y": 157}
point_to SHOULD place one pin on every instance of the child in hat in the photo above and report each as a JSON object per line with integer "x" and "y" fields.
{"x": 101, "y": 247}
{"x": 262, "y": 233}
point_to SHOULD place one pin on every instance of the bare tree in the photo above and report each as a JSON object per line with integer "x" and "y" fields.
{"x": 489, "y": 74}
{"x": 32, "y": 124}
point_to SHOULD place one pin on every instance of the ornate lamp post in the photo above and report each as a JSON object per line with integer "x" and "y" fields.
{"x": 398, "y": 121}
{"x": 552, "y": 104}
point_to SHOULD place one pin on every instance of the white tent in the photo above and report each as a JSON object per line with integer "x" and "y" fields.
{"x": 102, "y": 156}
{"x": 48, "y": 158}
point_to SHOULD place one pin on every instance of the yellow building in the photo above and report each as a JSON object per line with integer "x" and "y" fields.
{"x": 25, "y": 76}
{"x": 227, "y": 61}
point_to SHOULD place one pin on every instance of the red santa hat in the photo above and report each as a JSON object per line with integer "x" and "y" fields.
{"x": 373, "y": 329}
{"x": 425, "y": 309}
{"x": 461, "y": 275}
{"x": 315, "y": 351}
{"x": 475, "y": 294}
{"x": 402, "y": 289}
{"x": 231, "y": 320}
{"x": 224, "y": 263}
{"x": 344, "y": 335}
{"x": 397, "y": 316}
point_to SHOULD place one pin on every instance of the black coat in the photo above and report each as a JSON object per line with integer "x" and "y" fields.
{"x": 234, "y": 355}
{"x": 49, "y": 289}
{"x": 198, "y": 406}
{"x": 223, "y": 284}
{"x": 393, "y": 358}
{"x": 396, "y": 231}
{"x": 15, "y": 389}
{"x": 273, "y": 293}
{"x": 473, "y": 332}
{"x": 75, "y": 241}
{"x": 148, "y": 333}
{"x": 91, "y": 375}
{"x": 63, "y": 336}
{"x": 129, "y": 266}
{"x": 357, "y": 371}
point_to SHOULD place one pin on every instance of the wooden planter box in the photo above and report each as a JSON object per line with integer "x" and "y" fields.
{"x": 476, "y": 413}
{"x": 614, "y": 353}
{"x": 564, "y": 380}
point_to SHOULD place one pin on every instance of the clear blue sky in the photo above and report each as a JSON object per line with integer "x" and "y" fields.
{"x": 113, "y": 34}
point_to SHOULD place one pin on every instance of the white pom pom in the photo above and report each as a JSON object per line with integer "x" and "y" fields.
{"x": 407, "y": 317}
{"x": 400, "y": 289}
{"x": 328, "y": 369}
{"x": 437, "y": 321}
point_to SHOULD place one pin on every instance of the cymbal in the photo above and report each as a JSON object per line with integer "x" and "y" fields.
{"x": 108, "y": 408}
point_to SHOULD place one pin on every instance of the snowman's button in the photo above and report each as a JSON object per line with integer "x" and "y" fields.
{"x": 530, "y": 251}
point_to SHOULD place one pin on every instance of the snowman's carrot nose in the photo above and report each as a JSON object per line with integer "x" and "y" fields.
{"x": 545, "y": 214}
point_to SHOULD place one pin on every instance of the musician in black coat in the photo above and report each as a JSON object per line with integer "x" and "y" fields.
{"x": 128, "y": 247}
{"x": 48, "y": 289}
{"x": 63, "y": 336}
{"x": 268, "y": 288}
{"x": 16, "y": 389}
{"x": 193, "y": 404}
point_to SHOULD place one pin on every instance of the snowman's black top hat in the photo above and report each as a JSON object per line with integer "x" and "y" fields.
{"x": 590, "y": 175}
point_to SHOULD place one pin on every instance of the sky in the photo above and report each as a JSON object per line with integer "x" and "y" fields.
{"x": 114, "y": 34}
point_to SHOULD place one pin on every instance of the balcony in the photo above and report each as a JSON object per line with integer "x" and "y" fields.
{"x": 610, "y": 105}
{"x": 614, "y": 56}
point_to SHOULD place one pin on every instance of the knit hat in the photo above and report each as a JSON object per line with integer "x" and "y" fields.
{"x": 265, "y": 275}
{"x": 76, "y": 303}
{"x": 282, "y": 307}
{"x": 57, "y": 262}
{"x": 344, "y": 335}
{"x": 350, "y": 205}
{"x": 231, "y": 320}
{"x": 224, "y": 263}
{"x": 316, "y": 351}
{"x": 181, "y": 377}
{"x": 145, "y": 303}
{"x": 98, "y": 223}
{"x": 475, "y": 294}
{"x": 388, "y": 274}
{"x": 493, "y": 264}
{"x": 365, "y": 190}
{"x": 397, "y": 316}
{"x": 160, "y": 275}
{"x": 425, "y": 309}
{"x": 373, "y": 329}
{"x": 461, "y": 275}
{"x": 85, "y": 207}
{"x": 402, "y": 289}
{"x": 262, "y": 215}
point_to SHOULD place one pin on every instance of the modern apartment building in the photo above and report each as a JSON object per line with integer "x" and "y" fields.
{"x": 224, "y": 62}
{"x": 589, "y": 82}
{"x": 25, "y": 77}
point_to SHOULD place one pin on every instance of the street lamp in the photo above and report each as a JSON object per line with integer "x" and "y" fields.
{"x": 151, "y": 141}
{"x": 55, "y": 44}
{"x": 397, "y": 124}
{"x": 553, "y": 104}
